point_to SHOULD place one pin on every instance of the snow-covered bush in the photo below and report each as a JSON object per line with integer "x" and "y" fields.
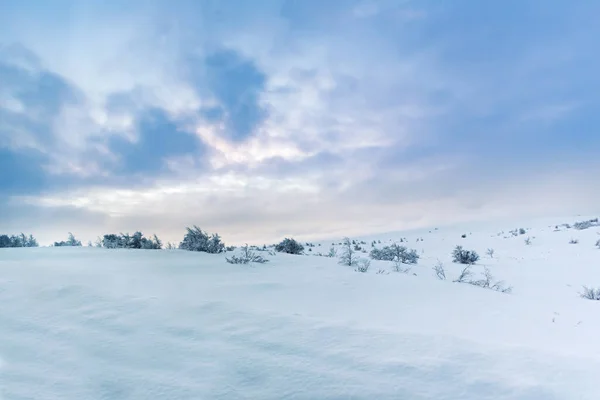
{"x": 197, "y": 240}
{"x": 332, "y": 252}
{"x": 246, "y": 256}
{"x": 395, "y": 252}
{"x": 464, "y": 256}
{"x": 528, "y": 241}
{"x": 363, "y": 265}
{"x": 590, "y": 293}
{"x": 490, "y": 253}
{"x": 573, "y": 241}
{"x": 18, "y": 241}
{"x": 71, "y": 241}
{"x": 581, "y": 225}
{"x": 127, "y": 241}
{"x": 598, "y": 243}
{"x": 289, "y": 246}
{"x": 348, "y": 256}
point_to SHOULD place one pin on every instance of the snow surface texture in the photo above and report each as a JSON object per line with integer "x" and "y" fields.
{"x": 86, "y": 323}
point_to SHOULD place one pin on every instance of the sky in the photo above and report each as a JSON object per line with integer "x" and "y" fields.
{"x": 313, "y": 119}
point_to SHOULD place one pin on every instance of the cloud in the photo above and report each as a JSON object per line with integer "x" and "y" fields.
{"x": 288, "y": 117}
{"x": 158, "y": 139}
{"x": 237, "y": 84}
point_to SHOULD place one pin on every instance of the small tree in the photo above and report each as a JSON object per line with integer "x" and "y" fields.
{"x": 289, "y": 246}
{"x": 464, "y": 256}
{"x": 348, "y": 256}
{"x": 332, "y": 252}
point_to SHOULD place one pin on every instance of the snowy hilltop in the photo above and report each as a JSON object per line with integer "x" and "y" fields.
{"x": 497, "y": 312}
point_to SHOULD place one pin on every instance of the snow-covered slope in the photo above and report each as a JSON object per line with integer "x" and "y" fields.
{"x": 86, "y": 323}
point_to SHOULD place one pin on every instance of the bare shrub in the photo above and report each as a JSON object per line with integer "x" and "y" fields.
{"x": 439, "y": 271}
{"x": 465, "y": 274}
{"x": 590, "y": 293}
{"x": 399, "y": 266}
{"x": 246, "y": 256}
{"x": 487, "y": 282}
{"x": 528, "y": 241}
{"x": 490, "y": 253}
{"x": 573, "y": 241}
{"x": 598, "y": 243}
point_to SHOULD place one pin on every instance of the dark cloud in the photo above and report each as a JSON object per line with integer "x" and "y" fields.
{"x": 40, "y": 93}
{"x": 159, "y": 137}
{"x": 236, "y": 82}
{"x": 21, "y": 172}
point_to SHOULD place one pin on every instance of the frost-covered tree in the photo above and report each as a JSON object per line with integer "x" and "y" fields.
{"x": 332, "y": 252}
{"x": 348, "y": 254}
{"x": 71, "y": 241}
{"x": 127, "y": 241}
{"x": 289, "y": 246}
{"x": 112, "y": 241}
{"x": 20, "y": 240}
{"x": 197, "y": 240}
